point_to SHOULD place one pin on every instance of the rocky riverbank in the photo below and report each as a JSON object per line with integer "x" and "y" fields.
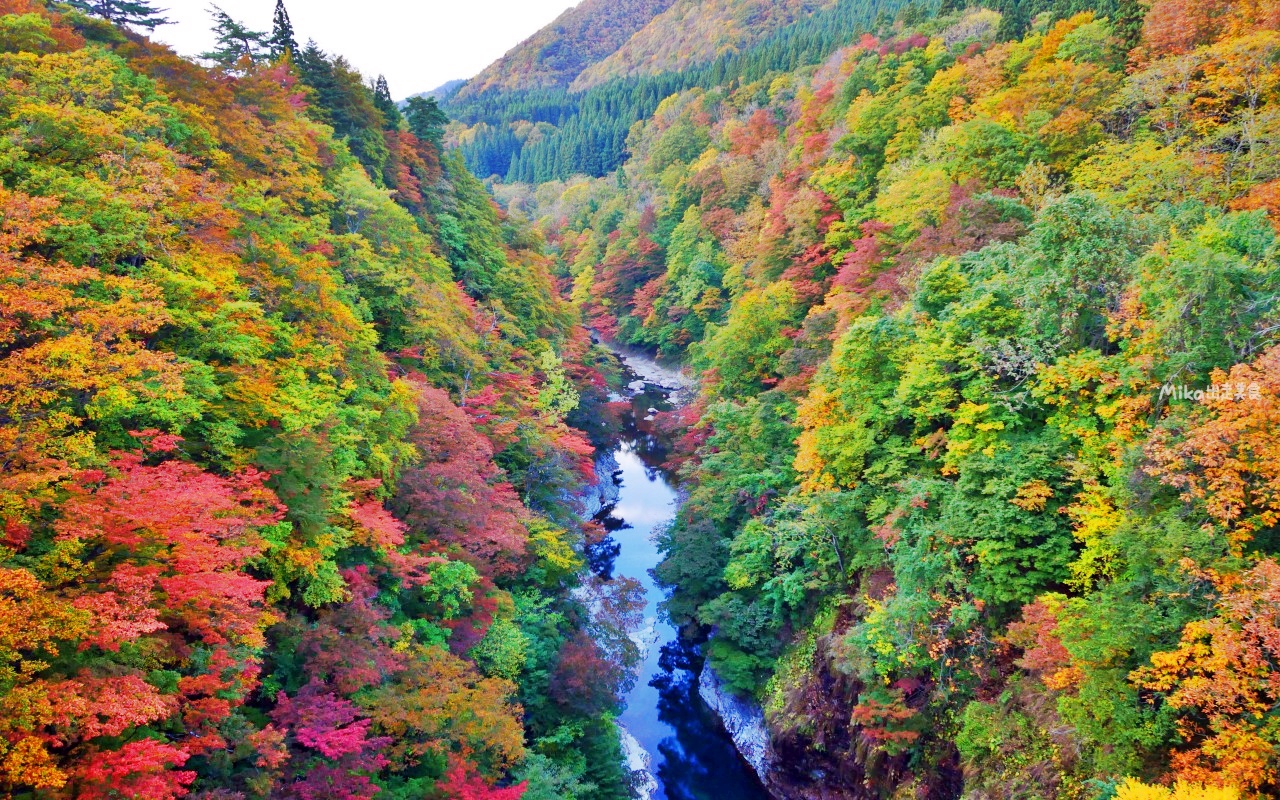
{"x": 743, "y": 720}
{"x": 648, "y": 370}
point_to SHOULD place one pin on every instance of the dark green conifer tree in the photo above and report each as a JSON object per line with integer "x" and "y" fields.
{"x": 911, "y": 15}
{"x": 136, "y": 13}
{"x": 382, "y": 99}
{"x": 234, "y": 40}
{"x": 282, "y": 39}
{"x": 341, "y": 98}
{"x": 1014, "y": 21}
{"x": 1128, "y": 18}
{"x": 426, "y": 120}
{"x": 314, "y": 67}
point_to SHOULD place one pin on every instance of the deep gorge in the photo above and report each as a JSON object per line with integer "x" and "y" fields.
{"x": 933, "y": 347}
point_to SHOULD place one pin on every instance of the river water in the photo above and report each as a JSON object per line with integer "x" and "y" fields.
{"x": 690, "y": 756}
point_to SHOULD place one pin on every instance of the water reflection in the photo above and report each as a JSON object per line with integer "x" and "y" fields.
{"x": 693, "y": 759}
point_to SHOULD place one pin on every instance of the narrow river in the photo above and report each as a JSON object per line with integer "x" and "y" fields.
{"x": 690, "y": 755}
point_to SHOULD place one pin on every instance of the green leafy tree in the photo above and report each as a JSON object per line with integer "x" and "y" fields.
{"x": 744, "y": 351}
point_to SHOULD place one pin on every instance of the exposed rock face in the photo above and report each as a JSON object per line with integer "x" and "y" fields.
{"x": 742, "y": 719}
{"x": 640, "y": 764}
{"x": 604, "y": 492}
{"x": 811, "y": 750}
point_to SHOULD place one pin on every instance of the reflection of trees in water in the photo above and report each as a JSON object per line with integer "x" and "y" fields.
{"x": 692, "y": 764}
{"x": 651, "y": 451}
{"x": 681, "y": 654}
{"x": 697, "y": 761}
{"x": 681, "y": 775}
{"x": 611, "y": 522}
{"x": 641, "y": 436}
{"x": 601, "y": 555}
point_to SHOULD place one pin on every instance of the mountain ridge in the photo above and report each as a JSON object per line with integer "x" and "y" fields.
{"x": 692, "y": 32}
{"x": 443, "y": 90}
{"x": 556, "y": 54}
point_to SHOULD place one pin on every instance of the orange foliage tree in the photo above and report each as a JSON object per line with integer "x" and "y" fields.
{"x": 1224, "y": 679}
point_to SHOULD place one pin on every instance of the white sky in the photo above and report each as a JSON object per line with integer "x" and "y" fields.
{"x": 417, "y": 45}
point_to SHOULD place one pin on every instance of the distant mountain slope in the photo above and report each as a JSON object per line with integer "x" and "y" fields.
{"x": 695, "y": 32}
{"x": 578, "y": 38}
{"x": 443, "y": 90}
{"x": 541, "y": 134}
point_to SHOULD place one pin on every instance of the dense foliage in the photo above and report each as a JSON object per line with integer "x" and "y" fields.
{"x": 553, "y": 133}
{"x": 556, "y": 130}
{"x": 583, "y": 35}
{"x": 286, "y": 506}
{"x": 983, "y": 474}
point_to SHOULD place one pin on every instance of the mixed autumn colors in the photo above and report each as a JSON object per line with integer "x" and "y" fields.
{"x": 298, "y": 398}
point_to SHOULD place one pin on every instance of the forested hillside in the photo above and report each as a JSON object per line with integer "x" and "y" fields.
{"x": 550, "y": 134}
{"x": 982, "y": 476}
{"x": 982, "y": 473}
{"x": 553, "y": 132}
{"x": 287, "y": 496}
{"x": 694, "y": 32}
{"x": 554, "y": 56}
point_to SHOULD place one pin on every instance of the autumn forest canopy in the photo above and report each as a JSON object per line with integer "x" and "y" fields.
{"x": 299, "y": 399}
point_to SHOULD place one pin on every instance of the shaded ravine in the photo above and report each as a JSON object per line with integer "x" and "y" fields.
{"x": 690, "y": 757}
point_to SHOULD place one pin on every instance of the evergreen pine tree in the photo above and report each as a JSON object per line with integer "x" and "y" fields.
{"x": 1014, "y": 21}
{"x": 137, "y": 13}
{"x": 911, "y": 15}
{"x": 1128, "y": 18}
{"x": 234, "y": 40}
{"x": 382, "y": 99}
{"x": 282, "y": 39}
{"x": 314, "y": 67}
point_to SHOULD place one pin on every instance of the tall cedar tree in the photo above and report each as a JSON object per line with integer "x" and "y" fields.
{"x": 382, "y": 99}
{"x": 282, "y": 40}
